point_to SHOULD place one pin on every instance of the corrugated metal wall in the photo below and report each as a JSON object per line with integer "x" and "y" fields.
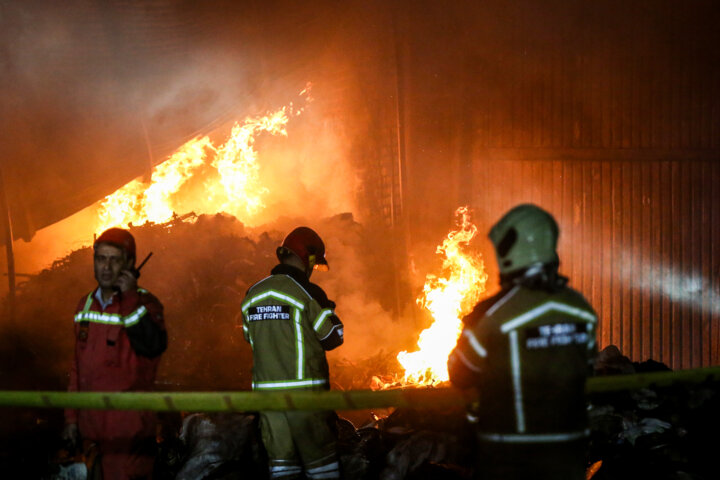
{"x": 608, "y": 115}
{"x": 639, "y": 239}
{"x": 625, "y": 150}
{"x": 641, "y": 104}
{"x": 635, "y": 190}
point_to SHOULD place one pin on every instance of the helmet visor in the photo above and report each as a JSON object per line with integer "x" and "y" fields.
{"x": 320, "y": 264}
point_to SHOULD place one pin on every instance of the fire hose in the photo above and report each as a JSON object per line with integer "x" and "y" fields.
{"x": 324, "y": 400}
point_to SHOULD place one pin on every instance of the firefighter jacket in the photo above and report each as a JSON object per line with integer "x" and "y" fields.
{"x": 528, "y": 351}
{"x": 290, "y": 323}
{"x": 117, "y": 348}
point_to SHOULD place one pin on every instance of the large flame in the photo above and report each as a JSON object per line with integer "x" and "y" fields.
{"x": 138, "y": 202}
{"x": 229, "y": 178}
{"x": 448, "y": 297}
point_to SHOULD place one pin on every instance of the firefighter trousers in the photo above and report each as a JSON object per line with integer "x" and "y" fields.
{"x": 298, "y": 442}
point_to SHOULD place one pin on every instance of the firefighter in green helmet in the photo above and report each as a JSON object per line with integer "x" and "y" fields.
{"x": 290, "y": 324}
{"x": 528, "y": 350}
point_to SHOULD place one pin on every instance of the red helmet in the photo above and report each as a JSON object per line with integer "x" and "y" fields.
{"x": 307, "y": 245}
{"x": 119, "y": 238}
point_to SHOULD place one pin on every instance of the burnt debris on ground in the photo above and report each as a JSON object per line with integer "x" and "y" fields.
{"x": 667, "y": 433}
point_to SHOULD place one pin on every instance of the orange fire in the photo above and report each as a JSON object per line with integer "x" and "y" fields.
{"x": 139, "y": 203}
{"x": 200, "y": 177}
{"x": 448, "y": 297}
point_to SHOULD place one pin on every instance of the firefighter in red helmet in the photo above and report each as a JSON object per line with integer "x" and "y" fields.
{"x": 290, "y": 323}
{"x": 308, "y": 246}
{"x": 119, "y": 337}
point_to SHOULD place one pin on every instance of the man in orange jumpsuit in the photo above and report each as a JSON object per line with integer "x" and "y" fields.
{"x": 119, "y": 337}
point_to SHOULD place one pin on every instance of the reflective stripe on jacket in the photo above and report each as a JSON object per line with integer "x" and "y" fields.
{"x": 528, "y": 352}
{"x": 117, "y": 348}
{"x": 286, "y": 327}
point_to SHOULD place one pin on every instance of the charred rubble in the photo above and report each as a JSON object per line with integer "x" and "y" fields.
{"x": 667, "y": 433}
{"x": 661, "y": 433}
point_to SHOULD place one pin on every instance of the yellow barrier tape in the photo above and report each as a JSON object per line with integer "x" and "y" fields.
{"x": 615, "y": 383}
{"x": 237, "y": 401}
{"x": 310, "y": 400}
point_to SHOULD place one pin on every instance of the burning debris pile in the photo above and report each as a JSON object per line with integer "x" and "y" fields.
{"x": 200, "y": 269}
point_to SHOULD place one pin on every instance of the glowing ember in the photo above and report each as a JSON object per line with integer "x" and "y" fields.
{"x": 593, "y": 469}
{"x": 448, "y": 297}
{"x": 229, "y": 178}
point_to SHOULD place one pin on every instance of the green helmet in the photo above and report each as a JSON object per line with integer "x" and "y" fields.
{"x": 527, "y": 235}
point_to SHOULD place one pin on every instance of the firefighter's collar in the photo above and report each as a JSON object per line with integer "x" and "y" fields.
{"x": 99, "y": 298}
{"x": 294, "y": 272}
